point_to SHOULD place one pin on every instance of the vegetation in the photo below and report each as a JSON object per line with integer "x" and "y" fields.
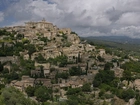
{"x": 43, "y": 94}
{"x": 61, "y": 61}
{"x": 27, "y": 66}
{"x": 104, "y": 85}
{"x": 75, "y": 71}
{"x": 12, "y": 96}
{"x": 86, "y": 87}
{"x": 100, "y": 59}
{"x": 62, "y": 75}
{"x": 31, "y": 49}
{"x": 104, "y": 76}
{"x": 40, "y": 59}
{"x": 132, "y": 66}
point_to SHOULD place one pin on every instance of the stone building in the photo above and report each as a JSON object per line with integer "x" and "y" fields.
{"x": 24, "y": 83}
{"x": 65, "y": 30}
{"x": 137, "y": 84}
{"x": 39, "y": 25}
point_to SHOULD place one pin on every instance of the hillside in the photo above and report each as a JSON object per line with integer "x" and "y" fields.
{"x": 117, "y": 39}
{"x": 117, "y": 42}
{"x": 53, "y": 66}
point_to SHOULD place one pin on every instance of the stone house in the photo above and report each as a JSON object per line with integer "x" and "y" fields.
{"x": 65, "y": 30}
{"x": 115, "y": 64}
{"x": 73, "y": 56}
{"x": 18, "y": 28}
{"x": 36, "y": 54}
{"x": 24, "y": 83}
{"x": 89, "y": 47}
{"x": 102, "y": 52}
{"x": 137, "y": 84}
{"x": 46, "y": 72}
{"x": 52, "y": 75}
{"x": 93, "y": 72}
{"x": 107, "y": 57}
{"x": 28, "y": 82}
{"x": 2, "y": 81}
{"x": 26, "y": 57}
{"x": 63, "y": 81}
{"x": 85, "y": 57}
{"x": 75, "y": 84}
{"x": 45, "y": 65}
{"x": 65, "y": 86}
{"x": 83, "y": 66}
{"x": 63, "y": 69}
{"x": 48, "y": 35}
{"x": 90, "y": 77}
{"x": 72, "y": 65}
{"x": 73, "y": 38}
{"x": 43, "y": 81}
{"x": 40, "y": 43}
{"x": 118, "y": 72}
{"x": 13, "y": 59}
{"x": 39, "y": 25}
{"x": 36, "y": 72}
{"x": 18, "y": 84}
{"x": 8, "y": 66}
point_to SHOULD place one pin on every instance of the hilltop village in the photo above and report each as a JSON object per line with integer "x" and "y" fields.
{"x": 41, "y": 54}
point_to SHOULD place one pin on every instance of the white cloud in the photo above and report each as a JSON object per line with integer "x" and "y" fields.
{"x": 131, "y": 31}
{"x": 1, "y": 16}
{"x": 130, "y": 18}
{"x": 86, "y": 17}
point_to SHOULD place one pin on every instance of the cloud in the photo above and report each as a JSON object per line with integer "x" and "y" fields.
{"x": 1, "y": 16}
{"x": 86, "y": 17}
{"x": 131, "y": 31}
{"x": 130, "y": 18}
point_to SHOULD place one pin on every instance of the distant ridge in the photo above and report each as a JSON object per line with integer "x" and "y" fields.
{"x": 118, "y": 39}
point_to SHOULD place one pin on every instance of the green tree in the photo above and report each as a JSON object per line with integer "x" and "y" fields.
{"x": 30, "y": 91}
{"x": 72, "y": 102}
{"x": 62, "y": 75}
{"x": 61, "y": 61}
{"x": 86, "y": 87}
{"x": 43, "y": 94}
{"x": 102, "y": 92}
{"x": 40, "y": 59}
{"x": 104, "y": 76}
{"x": 128, "y": 94}
{"x": 20, "y": 36}
{"x": 31, "y": 49}
{"x": 27, "y": 66}
{"x": 12, "y": 96}
{"x": 108, "y": 65}
{"x": 2, "y": 100}
{"x": 75, "y": 71}
{"x": 73, "y": 91}
{"x": 127, "y": 75}
{"x": 1, "y": 67}
{"x": 100, "y": 59}
{"x": 137, "y": 102}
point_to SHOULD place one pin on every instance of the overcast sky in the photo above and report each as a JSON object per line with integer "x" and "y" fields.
{"x": 85, "y": 17}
